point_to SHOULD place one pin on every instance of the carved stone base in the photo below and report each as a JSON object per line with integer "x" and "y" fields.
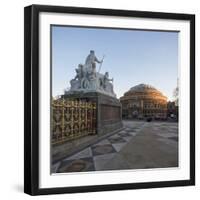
{"x": 109, "y": 111}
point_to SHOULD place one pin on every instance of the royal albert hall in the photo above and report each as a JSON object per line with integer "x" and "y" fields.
{"x": 143, "y": 101}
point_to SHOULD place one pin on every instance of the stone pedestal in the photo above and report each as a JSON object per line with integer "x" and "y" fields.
{"x": 109, "y": 110}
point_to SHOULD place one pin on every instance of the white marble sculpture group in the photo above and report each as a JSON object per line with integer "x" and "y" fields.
{"x": 87, "y": 78}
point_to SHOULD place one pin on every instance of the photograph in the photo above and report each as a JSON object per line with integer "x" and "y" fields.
{"x": 109, "y": 99}
{"x": 114, "y": 99}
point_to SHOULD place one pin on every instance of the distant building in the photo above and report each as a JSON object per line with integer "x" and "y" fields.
{"x": 172, "y": 110}
{"x": 143, "y": 101}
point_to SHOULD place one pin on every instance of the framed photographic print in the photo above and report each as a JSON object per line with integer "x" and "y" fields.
{"x": 109, "y": 99}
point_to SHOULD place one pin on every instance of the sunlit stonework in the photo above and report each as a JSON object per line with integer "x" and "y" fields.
{"x": 88, "y": 79}
{"x": 144, "y": 101}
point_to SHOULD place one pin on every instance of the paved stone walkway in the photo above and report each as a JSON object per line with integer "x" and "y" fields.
{"x": 155, "y": 146}
{"x": 140, "y": 145}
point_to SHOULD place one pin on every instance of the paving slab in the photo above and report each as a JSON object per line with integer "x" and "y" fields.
{"x": 147, "y": 150}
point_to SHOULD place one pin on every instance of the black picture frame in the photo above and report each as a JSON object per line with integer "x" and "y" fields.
{"x": 31, "y": 98}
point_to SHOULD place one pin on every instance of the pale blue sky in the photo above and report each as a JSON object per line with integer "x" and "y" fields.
{"x": 131, "y": 57}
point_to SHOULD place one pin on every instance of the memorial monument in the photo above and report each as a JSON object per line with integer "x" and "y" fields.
{"x": 91, "y": 85}
{"x": 87, "y": 78}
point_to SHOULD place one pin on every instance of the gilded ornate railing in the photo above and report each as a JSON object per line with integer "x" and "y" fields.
{"x": 72, "y": 119}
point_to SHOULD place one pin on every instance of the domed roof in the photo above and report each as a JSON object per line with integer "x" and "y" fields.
{"x": 143, "y": 91}
{"x": 142, "y": 87}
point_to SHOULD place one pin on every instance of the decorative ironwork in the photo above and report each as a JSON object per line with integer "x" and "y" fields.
{"x": 71, "y": 119}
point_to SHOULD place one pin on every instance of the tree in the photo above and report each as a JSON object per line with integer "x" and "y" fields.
{"x": 176, "y": 94}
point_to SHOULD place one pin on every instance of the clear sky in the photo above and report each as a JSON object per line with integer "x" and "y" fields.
{"x": 131, "y": 57}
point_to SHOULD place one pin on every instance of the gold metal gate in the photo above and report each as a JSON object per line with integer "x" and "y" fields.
{"x": 72, "y": 119}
